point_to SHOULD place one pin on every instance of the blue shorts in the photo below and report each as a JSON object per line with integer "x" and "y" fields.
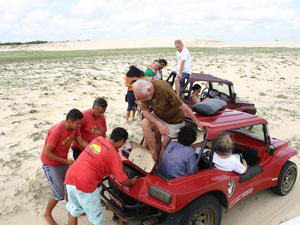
{"x": 56, "y": 176}
{"x": 80, "y": 202}
{"x": 131, "y": 101}
{"x": 184, "y": 78}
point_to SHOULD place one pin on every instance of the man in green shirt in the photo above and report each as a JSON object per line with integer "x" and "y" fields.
{"x": 151, "y": 70}
{"x": 167, "y": 117}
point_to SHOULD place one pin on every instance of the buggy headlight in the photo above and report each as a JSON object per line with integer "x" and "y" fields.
{"x": 160, "y": 194}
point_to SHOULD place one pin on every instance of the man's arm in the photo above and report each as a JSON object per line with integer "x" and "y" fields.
{"x": 191, "y": 115}
{"x": 181, "y": 69}
{"x": 103, "y": 128}
{"x": 49, "y": 153}
{"x": 163, "y": 129}
{"x": 118, "y": 172}
{"x": 100, "y": 131}
{"x": 245, "y": 163}
{"x": 103, "y": 134}
{"x": 195, "y": 99}
{"x": 81, "y": 142}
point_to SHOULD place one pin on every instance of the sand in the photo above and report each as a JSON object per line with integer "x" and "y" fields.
{"x": 35, "y": 94}
{"x": 142, "y": 43}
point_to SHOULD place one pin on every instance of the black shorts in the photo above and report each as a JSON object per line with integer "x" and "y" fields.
{"x": 131, "y": 101}
{"x": 76, "y": 152}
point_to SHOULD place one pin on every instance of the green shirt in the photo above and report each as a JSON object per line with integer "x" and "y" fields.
{"x": 149, "y": 73}
{"x": 164, "y": 103}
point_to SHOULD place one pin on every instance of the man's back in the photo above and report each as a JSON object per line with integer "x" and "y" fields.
{"x": 178, "y": 160}
{"x": 165, "y": 103}
{"x": 97, "y": 160}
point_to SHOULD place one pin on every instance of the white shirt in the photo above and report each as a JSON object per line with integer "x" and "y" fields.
{"x": 184, "y": 55}
{"x": 232, "y": 163}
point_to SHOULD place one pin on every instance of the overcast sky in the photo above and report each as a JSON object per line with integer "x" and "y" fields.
{"x": 224, "y": 20}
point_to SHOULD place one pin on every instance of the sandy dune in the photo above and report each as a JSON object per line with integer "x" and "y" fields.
{"x": 142, "y": 43}
{"x": 37, "y": 93}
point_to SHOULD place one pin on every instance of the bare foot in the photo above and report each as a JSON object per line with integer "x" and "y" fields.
{"x": 49, "y": 219}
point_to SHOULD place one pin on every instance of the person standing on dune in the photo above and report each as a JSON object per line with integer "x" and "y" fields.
{"x": 132, "y": 75}
{"x": 184, "y": 66}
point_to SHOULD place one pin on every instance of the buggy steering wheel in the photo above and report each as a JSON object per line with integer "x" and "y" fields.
{"x": 210, "y": 94}
{"x": 204, "y": 94}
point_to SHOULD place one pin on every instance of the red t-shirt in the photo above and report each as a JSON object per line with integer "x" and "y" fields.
{"x": 98, "y": 160}
{"x": 90, "y": 127}
{"x": 60, "y": 139}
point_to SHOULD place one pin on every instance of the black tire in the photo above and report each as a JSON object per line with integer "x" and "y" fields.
{"x": 205, "y": 210}
{"x": 286, "y": 180}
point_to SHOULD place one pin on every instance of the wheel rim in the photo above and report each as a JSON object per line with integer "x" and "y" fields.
{"x": 203, "y": 217}
{"x": 289, "y": 179}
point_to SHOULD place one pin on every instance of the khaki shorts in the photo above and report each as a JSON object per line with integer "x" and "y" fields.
{"x": 173, "y": 128}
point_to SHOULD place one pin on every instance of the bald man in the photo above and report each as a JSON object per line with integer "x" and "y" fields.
{"x": 167, "y": 117}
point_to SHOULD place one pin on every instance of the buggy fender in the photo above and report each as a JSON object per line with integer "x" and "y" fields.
{"x": 182, "y": 190}
{"x": 283, "y": 154}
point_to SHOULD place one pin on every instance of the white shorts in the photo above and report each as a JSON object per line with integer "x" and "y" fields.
{"x": 173, "y": 128}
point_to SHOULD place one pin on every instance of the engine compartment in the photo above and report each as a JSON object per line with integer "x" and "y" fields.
{"x": 132, "y": 172}
{"x": 123, "y": 205}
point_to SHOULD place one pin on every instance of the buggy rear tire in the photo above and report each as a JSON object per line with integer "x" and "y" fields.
{"x": 287, "y": 178}
{"x": 205, "y": 210}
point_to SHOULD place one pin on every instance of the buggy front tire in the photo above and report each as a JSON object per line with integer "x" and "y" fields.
{"x": 205, "y": 210}
{"x": 286, "y": 180}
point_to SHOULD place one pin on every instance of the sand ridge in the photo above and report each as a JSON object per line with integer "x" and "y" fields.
{"x": 142, "y": 43}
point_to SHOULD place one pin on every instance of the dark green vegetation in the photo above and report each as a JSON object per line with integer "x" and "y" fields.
{"x": 23, "y": 43}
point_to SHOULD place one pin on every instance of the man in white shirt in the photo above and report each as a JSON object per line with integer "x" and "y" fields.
{"x": 184, "y": 65}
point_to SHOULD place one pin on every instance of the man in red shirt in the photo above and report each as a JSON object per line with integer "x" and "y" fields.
{"x": 93, "y": 125}
{"x": 99, "y": 159}
{"x": 55, "y": 157}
